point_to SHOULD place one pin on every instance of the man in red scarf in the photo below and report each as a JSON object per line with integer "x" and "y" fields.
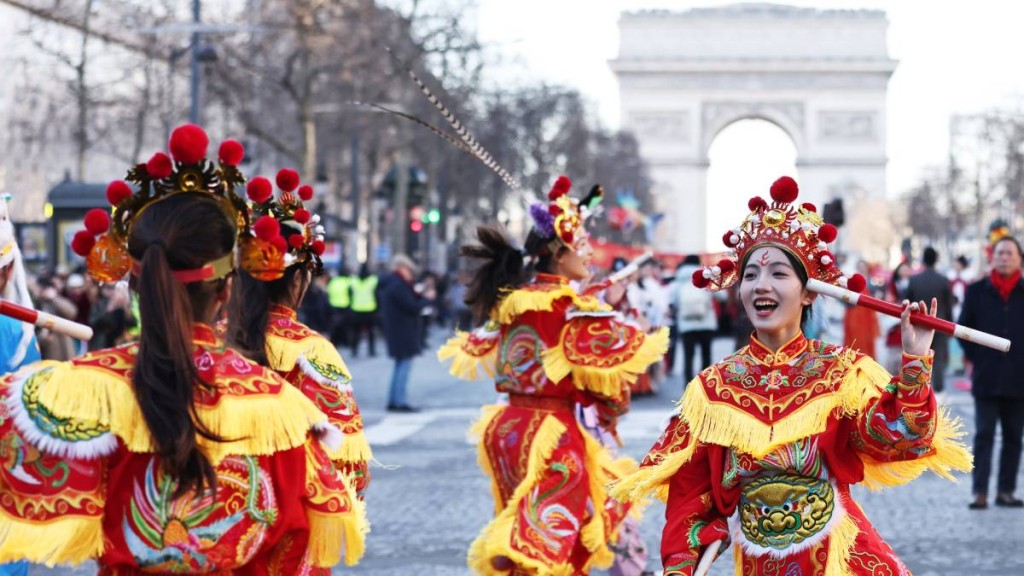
{"x": 996, "y": 305}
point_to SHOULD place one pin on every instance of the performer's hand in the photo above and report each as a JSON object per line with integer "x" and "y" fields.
{"x": 917, "y": 340}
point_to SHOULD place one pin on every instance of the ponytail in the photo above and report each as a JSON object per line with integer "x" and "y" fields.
{"x": 165, "y": 373}
{"x": 501, "y": 269}
{"x": 182, "y": 232}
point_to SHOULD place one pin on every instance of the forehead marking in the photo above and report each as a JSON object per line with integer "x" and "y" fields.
{"x": 765, "y": 258}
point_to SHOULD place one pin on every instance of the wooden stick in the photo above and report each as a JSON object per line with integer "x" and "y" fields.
{"x": 918, "y": 318}
{"x": 46, "y": 320}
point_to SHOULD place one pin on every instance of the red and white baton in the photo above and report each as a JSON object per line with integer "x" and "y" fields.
{"x": 918, "y": 318}
{"x": 46, "y": 320}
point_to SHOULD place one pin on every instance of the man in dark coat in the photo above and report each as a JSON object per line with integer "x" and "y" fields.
{"x": 401, "y": 312}
{"x": 924, "y": 286}
{"x": 996, "y": 305}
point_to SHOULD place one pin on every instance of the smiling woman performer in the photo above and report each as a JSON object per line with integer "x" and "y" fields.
{"x": 766, "y": 443}
{"x": 549, "y": 348}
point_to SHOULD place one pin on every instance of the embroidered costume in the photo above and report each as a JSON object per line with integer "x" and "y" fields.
{"x": 80, "y": 480}
{"x": 765, "y": 444}
{"x": 312, "y": 364}
{"x": 550, "y": 348}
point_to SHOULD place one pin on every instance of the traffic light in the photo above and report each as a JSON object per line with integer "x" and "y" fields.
{"x": 415, "y": 225}
{"x": 433, "y": 216}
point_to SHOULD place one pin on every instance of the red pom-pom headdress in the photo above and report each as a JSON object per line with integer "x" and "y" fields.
{"x": 301, "y": 235}
{"x": 104, "y": 242}
{"x": 564, "y": 218}
{"x": 796, "y": 228}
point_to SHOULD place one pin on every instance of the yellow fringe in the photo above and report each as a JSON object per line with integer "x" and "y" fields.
{"x": 606, "y": 380}
{"x": 283, "y": 353}
{"x": 329, "y": 534}
{"x": 253, "y": 425}
{"x": 495, "y": 538}
{"x": 66, "y": 540}
{"x": 602, "y": 469}
{"x": 476, "y": 433}
{"x": 355, "y": 448}
{"x": 653, "y": 480}
{"x": 464, "y": 365}
{"x": 725, "y": 425}
{"x": 840, "y": 545}
{"x": 948, "y": 454}
{"x": 519, "y": 302}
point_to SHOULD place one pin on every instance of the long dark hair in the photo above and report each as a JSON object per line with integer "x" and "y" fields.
{"x": 248, "y": 310}
{"x": 801, "y": 273}
{"x": 182, "y": 232}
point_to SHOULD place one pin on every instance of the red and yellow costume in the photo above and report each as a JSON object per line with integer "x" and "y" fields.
{"x": 79, "y": 478}
{"x": 312, "y": 364}
{"x": 766, "y": 445}
{"x": 550, "y": 348}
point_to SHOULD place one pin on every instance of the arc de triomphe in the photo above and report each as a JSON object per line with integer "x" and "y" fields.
{"x": 820, "y": 75}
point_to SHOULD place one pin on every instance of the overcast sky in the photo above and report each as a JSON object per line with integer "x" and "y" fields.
{"x": 955, "y": 57}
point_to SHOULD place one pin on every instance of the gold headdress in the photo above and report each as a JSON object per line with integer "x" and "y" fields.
{"x": 303, "y": 247}
{"x": 104, "y": 242}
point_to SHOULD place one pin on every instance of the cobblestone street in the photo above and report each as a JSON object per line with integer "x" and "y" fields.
{"x": 428, "y": 499}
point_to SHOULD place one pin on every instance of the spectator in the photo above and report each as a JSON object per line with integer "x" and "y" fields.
{"x": 54, "y": 345}
{"x": 364, "y": 309}
{"x": 695, "y": 316}
{"x": 339, "y": 293}
{"x": 401, "y": 314}
{"x": 996, "y": 305}
{"x": 860, "y": 324}
{"x": 111, "y": 316}
{"x": 456, "y": 302}
{"x": 925, "y": 285}
{"x": 315, "y": 310}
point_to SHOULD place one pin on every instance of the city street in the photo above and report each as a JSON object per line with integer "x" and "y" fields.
{"x": 428, "y": 498}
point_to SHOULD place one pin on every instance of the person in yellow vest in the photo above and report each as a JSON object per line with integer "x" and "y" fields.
{"x": 339, "y": 294}
{"x": 364, "y": 309}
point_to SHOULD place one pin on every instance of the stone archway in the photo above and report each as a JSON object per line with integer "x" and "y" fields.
{"x": 820, "y": 75}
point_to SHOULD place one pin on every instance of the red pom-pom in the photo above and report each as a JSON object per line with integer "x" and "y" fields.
{"x": 259, "y": 190}
{"x": 561, "y": 188}
{"x": 231, "y": 152}
{"x": 295, "y": 241}
{"x": 118, "y": 191}
{"x": 318, "y": 246}
{"x": 159, "y": 166}
{"x": 97, "y": 221}
{"x": 305, "y": 192}
{"x": 827, "y": 233}
{"x": 82, "y": 242}
{"x": 188, "y": 144}
{"x": 266, "y": 228}
{"x": 726, "y": 265}
{"x": 699, "y": 280}
{"x": 279, "y": 243}
{"x": 287, "y": 179}
{"x": 809, "y": 207}
{"x": 784, "y": 190}
{"x": 302, "y": 216}
{"x": 856, "y": 283}
{"x": 727, "y": 239}
{"x": 756, "y": 203}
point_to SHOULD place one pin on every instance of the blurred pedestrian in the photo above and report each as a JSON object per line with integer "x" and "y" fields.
{"x": 925, "y": 285}
{"x": 860, "y": 324}
{"x": 996, "y": 305}
{"x": 364, "y": 309}
{"x": 401, "y": 309}
{"x": 695, "y": 316}
{"x": 54, "y": 345}
{"x": 315, "y": 310}
{"x": 339, "y": 294}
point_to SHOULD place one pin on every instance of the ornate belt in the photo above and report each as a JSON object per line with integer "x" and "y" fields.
{"x": 553, "y": 403}
{"x": 782, "y": 512}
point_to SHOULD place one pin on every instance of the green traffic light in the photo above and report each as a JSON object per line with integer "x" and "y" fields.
{"x": 434, "y": 216}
